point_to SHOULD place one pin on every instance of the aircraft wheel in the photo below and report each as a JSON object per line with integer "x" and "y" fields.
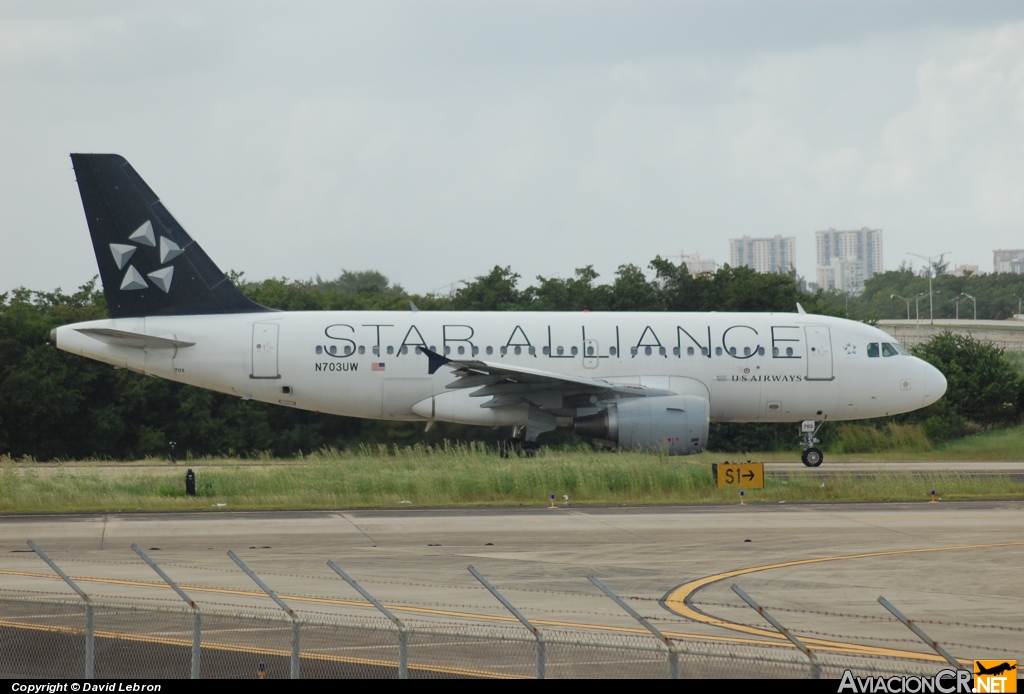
{"x": 509, "y": 448}
{"x": 528, "y": 449}
{"x": 812, "y": 457}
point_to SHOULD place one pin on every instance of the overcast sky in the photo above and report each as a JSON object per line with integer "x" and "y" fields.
{"x": 434, "y": 140}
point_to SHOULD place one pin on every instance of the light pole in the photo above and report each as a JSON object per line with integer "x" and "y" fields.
{"x": 897, "y": 296}
{"x": 1016, "y": 296}
{"x": 931, "y": 303}
{"x": 973, "y": 300}
{"x": 917, "y": 308}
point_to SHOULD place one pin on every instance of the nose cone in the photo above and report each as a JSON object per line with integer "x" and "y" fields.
{"x": 934, "y": 384}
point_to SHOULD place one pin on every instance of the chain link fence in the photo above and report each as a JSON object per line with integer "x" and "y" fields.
{"x": 47, "y": 638}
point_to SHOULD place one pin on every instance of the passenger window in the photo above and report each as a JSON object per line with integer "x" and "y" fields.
{"x": 746, "y": 351}
{"x": 873, "y": 349}
{"x": 532, "y": 351}
{"x": 490, "y": 350}
{"x": 590, "y": 351}
{"x": 391, "y": 350}
{"x": 647, "y": 351}
{"x": 611, "y": 351}
{"x": 546, "y": 351}
{"x": 689, "y": 351}
{"x": 718, "y": 351}
{"x": 447, "y": 349}
{"x": 732, "y": 351}
{"x": 661, "y": 351}
{"x": 476, "y": 350}
{"x": 375, "y": 349}
{"x": 633, "y": 350}
{"x": 362, "y": 349}
{"x": 519, "y": 350}
{"x": 462, "y": 350}
{"x": 319, "y": 349}
{"x": 560, "y": 350}
{"x": 574, "y": 351}
{"x": 504, "y": 351}
{"x": 760, "y": 351}
{"x": 704, "y": 352}
{"x": 789, "y": 351}
{"x": 888, "y": 350}
{"x": 405, "y": 349}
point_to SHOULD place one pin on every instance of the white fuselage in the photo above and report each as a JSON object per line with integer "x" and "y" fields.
{"x": 768, "y": 367}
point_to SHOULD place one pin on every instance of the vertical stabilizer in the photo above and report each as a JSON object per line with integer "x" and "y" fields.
{"x": 148, "y": 264}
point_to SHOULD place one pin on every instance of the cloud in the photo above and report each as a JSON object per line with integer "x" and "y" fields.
{"x": 434, "y": 141}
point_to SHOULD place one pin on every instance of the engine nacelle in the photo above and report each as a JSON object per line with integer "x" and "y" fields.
{"x": 676, "y": 424}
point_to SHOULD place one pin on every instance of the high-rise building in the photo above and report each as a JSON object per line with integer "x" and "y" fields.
{"x": 844, "y": 275}
{"x": 846, "y": 259}
{"x": 774, "y": 254}
{"x": 961, "y": 270}
{"x": 1009, "y": 260}
{"x": 695, "y": 264}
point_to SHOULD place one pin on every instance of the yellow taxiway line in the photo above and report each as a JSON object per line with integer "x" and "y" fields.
{"x": 124, "y": 636}
{"x": 678, "y": 600}
{"x": 397, "y": 608}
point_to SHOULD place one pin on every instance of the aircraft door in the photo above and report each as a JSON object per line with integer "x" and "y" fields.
{"x": 819, "y": 353}
{"x": 590, "y": 354}
{"x": 264, "y": 350}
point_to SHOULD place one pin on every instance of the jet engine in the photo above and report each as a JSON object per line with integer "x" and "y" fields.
{"x": 676, "y": 424}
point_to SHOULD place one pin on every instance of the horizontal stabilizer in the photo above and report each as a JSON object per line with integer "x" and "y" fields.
{"x": 121, "y": 338}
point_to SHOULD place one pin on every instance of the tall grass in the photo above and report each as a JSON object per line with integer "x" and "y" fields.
{"x": 858, "y": 438}
{"x": 452, "y": 476}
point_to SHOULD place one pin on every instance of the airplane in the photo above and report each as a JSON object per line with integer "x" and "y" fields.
{"x": 627, "y": 380}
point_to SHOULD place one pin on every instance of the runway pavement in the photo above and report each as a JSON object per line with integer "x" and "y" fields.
{"x": 954, "y": 567}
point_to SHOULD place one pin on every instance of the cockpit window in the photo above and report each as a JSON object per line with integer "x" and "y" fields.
{"x": 900, "y": 348}
{"x": 873, "y": 349}
{"x": 888, "y": 350}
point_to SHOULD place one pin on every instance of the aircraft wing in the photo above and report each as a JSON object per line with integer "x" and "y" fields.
{"x": 511, "y": 385}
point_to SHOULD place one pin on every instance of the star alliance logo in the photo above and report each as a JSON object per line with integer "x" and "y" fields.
{"x": 133, "y": 279}
{"x": 851, "y": 349}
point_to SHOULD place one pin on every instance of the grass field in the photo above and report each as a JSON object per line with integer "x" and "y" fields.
{"x": 469, "y": 476}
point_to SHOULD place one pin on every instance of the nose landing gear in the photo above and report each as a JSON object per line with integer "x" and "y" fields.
{"x": 811, "y": 457}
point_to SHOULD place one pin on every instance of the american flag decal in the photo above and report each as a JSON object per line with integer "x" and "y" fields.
{"x": 377, "y": 366}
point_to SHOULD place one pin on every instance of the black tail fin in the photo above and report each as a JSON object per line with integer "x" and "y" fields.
{"x": 149, "y": 265}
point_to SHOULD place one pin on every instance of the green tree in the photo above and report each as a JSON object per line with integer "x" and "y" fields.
{"x": 495, "y": 291}
{"x": 578, "y": 293}
{"x": 982, "y": 385}
{"x": 56, "y": 405}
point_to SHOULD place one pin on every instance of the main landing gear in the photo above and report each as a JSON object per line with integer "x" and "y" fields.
{"x": 518, "y": 448}
{"x": 518, "y": 445}
{"x": 811, "y": 457}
